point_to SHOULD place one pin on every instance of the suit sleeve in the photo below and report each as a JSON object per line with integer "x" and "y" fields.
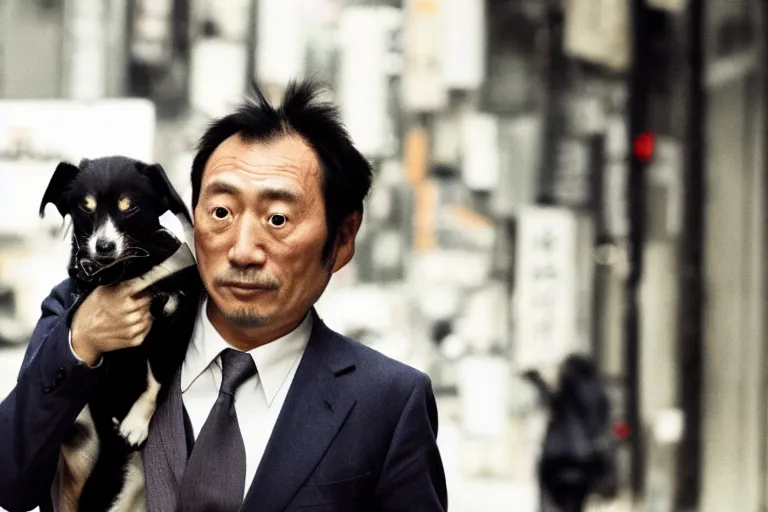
{"x": 52, "y": 388}
{"x": 413, "y": 478}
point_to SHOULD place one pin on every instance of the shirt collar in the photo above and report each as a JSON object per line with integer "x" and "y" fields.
{"x": 274, "y": 360}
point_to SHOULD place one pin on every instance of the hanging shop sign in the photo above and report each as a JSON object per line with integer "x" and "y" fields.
{"x": 546, "y": 286}
{"x": 464, "y": 43}
{"x": 423, "y": 86}
{"x": 519, "y": 160}
{"x": 152, "y": 34}
{"x": 598, "y": 31}
{"x": 365, "y": 34}
{"x": 281, "y": 41}
{"x": 87, "y": 56}
{"x": 211, "y": 59}
{"x": 480, "y": 151}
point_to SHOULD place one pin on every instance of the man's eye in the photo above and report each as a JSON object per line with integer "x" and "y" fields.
{"x": 277, "y": 220}
{"x": 220, "y": 212}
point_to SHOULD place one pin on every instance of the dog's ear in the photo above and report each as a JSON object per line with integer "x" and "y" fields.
{"x": 57, "y": 188}
{"x": 170, "y": 199}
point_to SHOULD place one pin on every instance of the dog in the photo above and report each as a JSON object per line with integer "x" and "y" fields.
{"x": 115, "y": 204}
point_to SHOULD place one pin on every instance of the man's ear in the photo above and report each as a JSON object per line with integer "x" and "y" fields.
{"x": 56, "y": 192}
{"x": 168, "y": 195}
{"x": 345, "y": 240}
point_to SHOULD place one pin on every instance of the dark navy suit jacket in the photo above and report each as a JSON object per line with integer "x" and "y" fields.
{"x": 357, "y": 431}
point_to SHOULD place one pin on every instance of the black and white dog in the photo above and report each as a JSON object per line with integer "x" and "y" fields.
{"x": 115, "y": 205}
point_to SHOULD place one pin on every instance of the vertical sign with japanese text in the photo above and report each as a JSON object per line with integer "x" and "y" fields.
{"x": 546, "y": 286}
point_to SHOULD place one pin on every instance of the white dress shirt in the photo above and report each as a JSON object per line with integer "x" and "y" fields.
{"x": 258, "y": 400}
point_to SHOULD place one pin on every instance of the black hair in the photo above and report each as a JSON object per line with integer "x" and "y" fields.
{"x": 347, "y": 175}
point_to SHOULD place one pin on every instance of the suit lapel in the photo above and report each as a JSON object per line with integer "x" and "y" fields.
{"x": 165, "y": 454}
{"x": 314, "y": 410}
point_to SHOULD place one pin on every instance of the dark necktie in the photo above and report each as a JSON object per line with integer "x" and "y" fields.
{"x": 214, "y": 479}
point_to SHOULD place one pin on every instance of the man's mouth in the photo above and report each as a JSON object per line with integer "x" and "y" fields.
{"x": 247, "y": 290}
{"x": 248, "y": 287}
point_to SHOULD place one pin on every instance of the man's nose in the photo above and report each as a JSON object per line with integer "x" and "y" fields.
{"x": 248, "y": 246}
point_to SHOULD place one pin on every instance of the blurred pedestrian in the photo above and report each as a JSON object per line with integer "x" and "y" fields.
{"x": 577, "y": 457}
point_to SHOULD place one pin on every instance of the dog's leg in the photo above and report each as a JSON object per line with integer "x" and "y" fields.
{"x": 171, "y": 304}
{"x": 135, "y": 426}
{"x": 132, "y": 497}
{"x": 77, "y": 459}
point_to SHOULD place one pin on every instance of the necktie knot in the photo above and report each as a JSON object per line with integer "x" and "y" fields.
{"x": 236, "y": 368}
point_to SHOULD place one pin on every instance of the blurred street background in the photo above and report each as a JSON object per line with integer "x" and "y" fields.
{"x": 552, "y": 177}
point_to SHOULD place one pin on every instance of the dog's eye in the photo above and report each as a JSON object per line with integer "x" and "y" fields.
{"x": 89, "y": 203}
{"x": 220, "y": 212}
{"x": 124, "y": 204}
{"x": 277, "y": 220}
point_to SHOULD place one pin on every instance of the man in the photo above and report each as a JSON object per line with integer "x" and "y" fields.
{"x": 319, "y": 422}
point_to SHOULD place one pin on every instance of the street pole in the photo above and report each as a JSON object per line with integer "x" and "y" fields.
{"x": 692, "y": 271}
{"x": 639, "y": 82}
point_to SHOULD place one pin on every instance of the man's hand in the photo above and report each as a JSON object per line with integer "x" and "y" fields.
{"x": 111, "y": 318}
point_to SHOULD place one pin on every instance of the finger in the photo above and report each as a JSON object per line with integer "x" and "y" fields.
{"x": 141, "y": 336}
{"x": 135, "y": 317}
{"x": 136, "y": 329}
{"x": 140, "y": 303}
{"x": 137, "y": 340}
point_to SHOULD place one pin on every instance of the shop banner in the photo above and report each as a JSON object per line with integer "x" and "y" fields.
{"x": 598, "y": 31}
{"x": 546, "y": 314}
{"x": 212, "y": 59}
{"x": 464, "y": 43}
{"x": 480, "y": 151}
{"x": 424, "y": 88}
{"x": 365, "y": 35}
{"x": 281, "y": 41}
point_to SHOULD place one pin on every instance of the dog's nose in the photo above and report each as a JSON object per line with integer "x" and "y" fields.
{"x": 105, "y": 247}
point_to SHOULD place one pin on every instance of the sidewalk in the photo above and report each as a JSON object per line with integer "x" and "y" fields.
{"x": 470, "y": 491}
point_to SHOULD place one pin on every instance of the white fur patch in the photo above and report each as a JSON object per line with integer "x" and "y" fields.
{"x": 135, "y": 426}
{"x": 78, "y": 457}
{"x": 178, "y": 261}
{"x": 171, "y": 304}
{"x": 109, "y": 233}
{"x": 132, "y": 497}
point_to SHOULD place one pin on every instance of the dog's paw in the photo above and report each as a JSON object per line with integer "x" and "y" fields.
{"x": 171, "y": 304}
{"x": 134, "y": 428}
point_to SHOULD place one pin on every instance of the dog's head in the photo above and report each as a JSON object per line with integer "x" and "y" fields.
{"x": 115, "y": 204}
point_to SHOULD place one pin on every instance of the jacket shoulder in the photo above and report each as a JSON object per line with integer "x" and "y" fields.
{"x": 381, "y": 373}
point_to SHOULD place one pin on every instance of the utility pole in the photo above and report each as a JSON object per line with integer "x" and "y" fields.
{"x": 691, "y": 335}
{"x": 639, "y": 89}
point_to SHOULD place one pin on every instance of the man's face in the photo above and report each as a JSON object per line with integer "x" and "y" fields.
{"x": 260, "y": 229}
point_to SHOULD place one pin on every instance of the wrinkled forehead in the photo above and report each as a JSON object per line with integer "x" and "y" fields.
{"x": 288, "y": 159}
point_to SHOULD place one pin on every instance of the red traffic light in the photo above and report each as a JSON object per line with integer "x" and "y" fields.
{"x": 643, "y": 147}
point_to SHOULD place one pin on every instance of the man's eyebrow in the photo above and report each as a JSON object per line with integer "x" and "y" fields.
{"x": 279, "y": 194}
{"x": 221, "y": 187}
{"x": 268, "y": 193}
